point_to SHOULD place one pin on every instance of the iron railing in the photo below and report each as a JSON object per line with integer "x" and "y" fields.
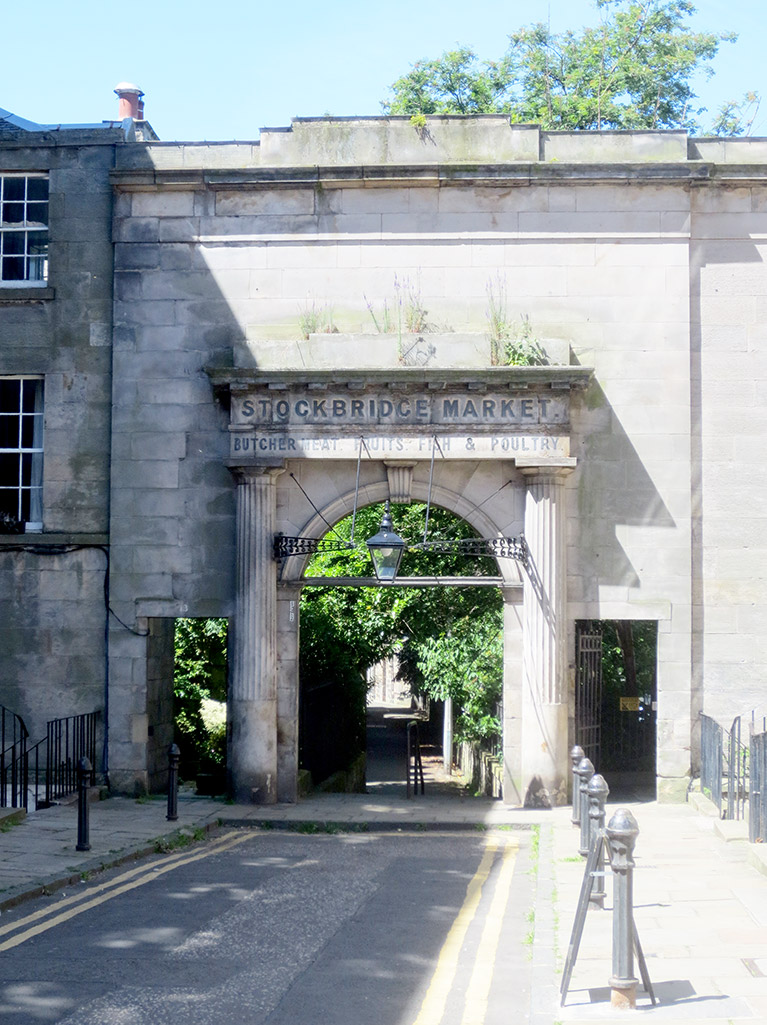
{"x": 711, "y": 759}
{"x": 47, "y": 770}
{"x": 13, "y": 760}
{"x": 67, "y": 741}
{"x": 733, "y": 773}
{"x": 588, "y": 689}
{"x": 757, "y": 803}
{"x": 737, "y": 773}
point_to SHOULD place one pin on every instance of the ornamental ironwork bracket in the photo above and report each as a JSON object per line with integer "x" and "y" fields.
{"x": 476, "y": 547}
{"x": 473, "y": 547}
{"x": 285, "y": 546}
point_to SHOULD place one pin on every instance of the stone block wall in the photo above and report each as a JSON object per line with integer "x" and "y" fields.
{"x": 600, "y": 269}
{"x": 53, "y": 601}
{"x": 645, "y": 270}
{"x": 51, "y": 633}
{"x": 729, "y": 382}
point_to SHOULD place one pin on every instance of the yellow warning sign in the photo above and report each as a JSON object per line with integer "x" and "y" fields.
{"x": 629, "y": 704}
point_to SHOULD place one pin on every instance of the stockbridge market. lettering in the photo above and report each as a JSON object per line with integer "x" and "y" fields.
{"x": 406, "y": 409}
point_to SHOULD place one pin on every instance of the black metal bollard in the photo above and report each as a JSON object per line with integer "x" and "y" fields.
{"x": 585, "y": 771}
{"x": 575, "y": 756}
{"x": 622, "y": 831}
{"x": 174, "y": 754}
{"x": 597, "y": 791}
{"x": 84, "y": 772}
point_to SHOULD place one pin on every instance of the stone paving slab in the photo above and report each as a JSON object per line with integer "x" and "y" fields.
{"x": 699, "y": 911}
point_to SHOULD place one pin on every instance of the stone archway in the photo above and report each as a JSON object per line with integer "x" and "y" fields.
{"x": 496, "y": 429}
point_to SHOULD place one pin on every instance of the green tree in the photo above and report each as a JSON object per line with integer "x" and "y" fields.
{"x": 632, "y": 70}
{"x": 457, "y": 83}
{"x": 199, "y": 681}
{"x": 448, "y": 639}
{"x": 629, "y": 655}
{"x": 466, "y": 664}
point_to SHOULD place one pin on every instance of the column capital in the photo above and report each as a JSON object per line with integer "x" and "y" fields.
{"x": 549, "y": 472}
{"x": 246, "y": 473}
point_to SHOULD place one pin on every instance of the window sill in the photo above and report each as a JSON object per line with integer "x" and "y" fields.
{"x": 25, "y": 293}
{"x": 58, "y": 538}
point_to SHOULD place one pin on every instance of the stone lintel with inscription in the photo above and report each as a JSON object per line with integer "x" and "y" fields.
{"x": 498, "y": 413}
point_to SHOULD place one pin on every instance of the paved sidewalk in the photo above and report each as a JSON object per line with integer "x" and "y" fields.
{"x": 701, "y": 916}
{"x": 701, "y": 909}
{"x": 38, "y": 853}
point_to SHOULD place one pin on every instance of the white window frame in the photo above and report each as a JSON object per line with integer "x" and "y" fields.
{"x": 25, "y": 441}
{"x": 23, "y": 231}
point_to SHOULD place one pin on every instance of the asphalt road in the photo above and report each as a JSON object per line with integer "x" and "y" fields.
{"x": 284, "y": 929}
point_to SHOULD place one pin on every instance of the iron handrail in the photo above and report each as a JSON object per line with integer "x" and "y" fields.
{"x": 737, "y": 772}
{"x": 414, "y": 763}
{"x": 725, "y": 766}
{"x": 757, "y": 802}
{"x": 711, "y": 759}
{"x": 13, "y": 765}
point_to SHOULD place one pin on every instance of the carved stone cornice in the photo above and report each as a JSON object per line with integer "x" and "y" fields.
{"x": 416, "y": 378}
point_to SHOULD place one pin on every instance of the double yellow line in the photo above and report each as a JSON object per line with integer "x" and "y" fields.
{"x": 70, "y": 907}
{"x": 478, "y": 989}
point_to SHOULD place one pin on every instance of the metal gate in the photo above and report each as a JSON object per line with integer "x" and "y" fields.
{"x": 588, "y": 688}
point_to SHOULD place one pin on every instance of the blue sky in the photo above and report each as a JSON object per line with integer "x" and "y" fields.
{"x": 224, "y": 71}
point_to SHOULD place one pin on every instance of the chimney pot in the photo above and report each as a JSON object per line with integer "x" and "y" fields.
{"x": 131, "y": 103}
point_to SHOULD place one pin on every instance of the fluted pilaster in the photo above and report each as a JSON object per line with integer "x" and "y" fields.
{"x": 253, "y": 690}
{"x": 255, "y": 633}
{"x": 545, "y": 583}
{"x": 544, "y": 638}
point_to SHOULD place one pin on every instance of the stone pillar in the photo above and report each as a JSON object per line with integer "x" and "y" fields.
{"x": 545, "y": 758}
{"x": 253, "y": 687}
{"x": 512, "y": 697}
{"x": 286, "y": 672}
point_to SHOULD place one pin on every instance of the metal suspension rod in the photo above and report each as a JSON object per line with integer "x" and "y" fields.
{"x": 311, "y": 503}
{"x": 356, "y": 489}
{"x": 434, "y": 448}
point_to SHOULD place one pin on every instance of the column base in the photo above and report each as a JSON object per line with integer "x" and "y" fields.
{"x": 253, "y": 751}
{"x": 544, "y": 755}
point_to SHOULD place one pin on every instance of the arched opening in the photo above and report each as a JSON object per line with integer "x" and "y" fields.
{"x": 446, "y": 640}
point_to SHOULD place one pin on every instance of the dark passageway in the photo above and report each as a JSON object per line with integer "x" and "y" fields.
{"x": 387, "y": 753}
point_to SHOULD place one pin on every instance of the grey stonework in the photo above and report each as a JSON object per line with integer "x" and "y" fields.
{"x": 639, "y": 255}
{"x": 52, "y": 635}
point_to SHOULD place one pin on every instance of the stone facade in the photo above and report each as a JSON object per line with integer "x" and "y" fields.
{"x": 243, "y": 270}
{"x": 52, "y": 628}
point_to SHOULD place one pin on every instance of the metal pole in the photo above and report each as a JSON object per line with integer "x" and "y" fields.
{"x": 407, "y": 785}
{"x": 622, "y": 831}
{"x": 585, "y": 771}
{"x": 84, "y": 770}
{"x": 174, "y": 754}
{"x": 575, "y": 756}
{"x": 597, "y": 791}
{"x": 447, "y": 736}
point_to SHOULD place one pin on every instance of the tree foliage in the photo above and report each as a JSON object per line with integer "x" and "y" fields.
{"x": 466, "y": 664}
{"x": 199, "y": 685}
{"x": 629, "y": 657}
{"x": 632, "y": 70}
{"x": 447, "y": 639}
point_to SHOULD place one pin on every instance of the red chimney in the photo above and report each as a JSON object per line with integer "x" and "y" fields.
{"x": 131, "y": 102}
